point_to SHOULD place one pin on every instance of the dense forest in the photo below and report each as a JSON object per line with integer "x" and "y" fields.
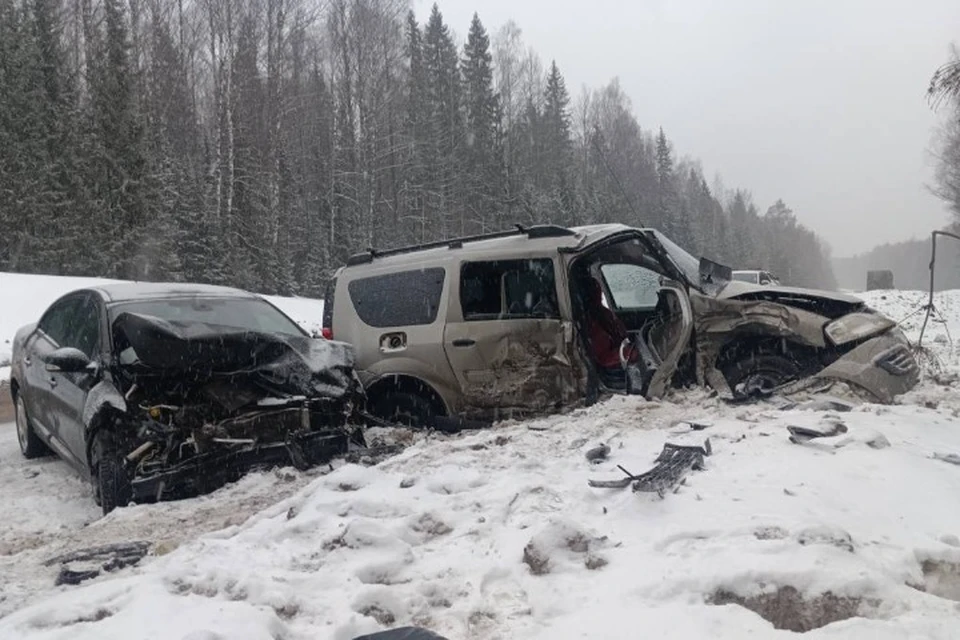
{"x": 259, "y": 142}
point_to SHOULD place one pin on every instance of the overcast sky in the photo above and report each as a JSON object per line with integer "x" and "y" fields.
{"x": 820, "y": 103}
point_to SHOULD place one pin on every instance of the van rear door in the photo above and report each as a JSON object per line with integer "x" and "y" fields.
{"x": 505, "y": 340}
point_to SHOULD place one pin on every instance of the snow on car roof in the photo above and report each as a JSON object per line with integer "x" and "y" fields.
{"x": 128, "y": 291}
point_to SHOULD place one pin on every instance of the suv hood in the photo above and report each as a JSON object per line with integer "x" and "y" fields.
{"x": 736, "y": 288}
{"x": 832, "y": 304}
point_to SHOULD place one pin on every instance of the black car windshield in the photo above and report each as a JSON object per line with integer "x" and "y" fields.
{"x": 689, "y": 265}
{"x": 251, "y": 314}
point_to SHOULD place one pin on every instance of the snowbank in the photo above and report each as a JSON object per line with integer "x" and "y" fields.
{"x": 437, "y": 536}
{"x": 496, "y": 534}
{"x": 24, "y": 297}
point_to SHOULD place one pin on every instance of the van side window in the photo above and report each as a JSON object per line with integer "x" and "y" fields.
{"x": 399, "y": 299}
{"x": 508, "y": 289}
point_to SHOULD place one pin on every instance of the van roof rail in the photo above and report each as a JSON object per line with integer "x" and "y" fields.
{"x": 533, "y": 232}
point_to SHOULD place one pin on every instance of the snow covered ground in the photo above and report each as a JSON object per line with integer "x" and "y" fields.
{"x": 496, "y": 534}
{"x": 23, "y": 298}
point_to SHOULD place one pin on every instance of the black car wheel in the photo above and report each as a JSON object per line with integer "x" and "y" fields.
{"x": 31, "y": 446}
{"x": 403, "y": 408}
{"x": 759, "y": 374}
{"x": 113, "y": 483}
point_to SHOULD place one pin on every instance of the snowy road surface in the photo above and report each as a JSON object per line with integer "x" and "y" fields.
{"x": 496, "y": 534}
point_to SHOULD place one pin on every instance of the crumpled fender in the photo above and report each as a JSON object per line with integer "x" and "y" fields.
{"x": 884, "y": 366}
{"x": 102, "y": 396}
{"x": 717, "y": 322}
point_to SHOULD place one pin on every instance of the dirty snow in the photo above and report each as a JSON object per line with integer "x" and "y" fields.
{"x": 496, "y": 534}
{"x": 24, "y": 298}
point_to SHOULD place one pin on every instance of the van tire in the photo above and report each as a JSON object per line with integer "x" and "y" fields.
{"x": 403, "y": 408}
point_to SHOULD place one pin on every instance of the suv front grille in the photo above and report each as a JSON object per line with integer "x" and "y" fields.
{"x": 897, "y": 361}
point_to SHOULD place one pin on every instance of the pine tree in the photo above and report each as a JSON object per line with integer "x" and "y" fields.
{"x": 120, "y": 167}
{"x": 480, "y": 153}
{"x": 556, "y": 148}
{"x": 417, "y": 140}
{"x": 673, "y": 216}
{"x": 445, "y": 125}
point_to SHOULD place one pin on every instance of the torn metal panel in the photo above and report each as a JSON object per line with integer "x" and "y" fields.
{"x": 102, "y": 396}
{"x": 284, "y": 363}
{"x": 523, "y": 372}
{"x": 717, "y": 322}
{"x": 883, "y": 366}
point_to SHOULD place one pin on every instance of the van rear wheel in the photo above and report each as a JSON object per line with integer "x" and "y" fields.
{"x": 403, "y": 408}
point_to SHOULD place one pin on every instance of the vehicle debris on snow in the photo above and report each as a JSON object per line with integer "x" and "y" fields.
{"x": 672, "y": 464}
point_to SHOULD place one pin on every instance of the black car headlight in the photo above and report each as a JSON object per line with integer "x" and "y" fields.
{"x": 856, "y": 326}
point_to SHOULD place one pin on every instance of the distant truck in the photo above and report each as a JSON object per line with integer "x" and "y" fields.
{"x": 756, "y": 276}
{"x": 879, "y": 279}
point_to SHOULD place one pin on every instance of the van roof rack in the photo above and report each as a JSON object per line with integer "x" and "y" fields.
{"x": 533, "y": 232}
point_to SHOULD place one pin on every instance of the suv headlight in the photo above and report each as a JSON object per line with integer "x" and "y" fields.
{"x": 856, "y": 326}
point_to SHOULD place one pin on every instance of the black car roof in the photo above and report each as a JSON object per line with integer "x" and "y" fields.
{"x": 133, "y": 291}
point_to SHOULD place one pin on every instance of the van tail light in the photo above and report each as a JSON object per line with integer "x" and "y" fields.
{"x": 327, "y": 333}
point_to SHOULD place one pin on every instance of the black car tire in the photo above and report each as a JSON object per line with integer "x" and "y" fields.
{"x": 761, "y": 373}
{"x": 31, "y": 446}
{"x": 407, "y": 409}
{"x": 113, "y": 484}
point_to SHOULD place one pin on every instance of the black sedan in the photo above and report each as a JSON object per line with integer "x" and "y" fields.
{"x": 156, "y": 390}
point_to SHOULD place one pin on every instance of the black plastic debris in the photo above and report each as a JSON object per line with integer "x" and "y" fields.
{"x": 800, "y": 435}
{"x": 952, "y": 458}
{"x": 403, "y": 633}
{"x": 598, "y": 453}
{"x": 70, "y": 577}
{"x": 110, "y": 557}
{"x": 672, "y": 465}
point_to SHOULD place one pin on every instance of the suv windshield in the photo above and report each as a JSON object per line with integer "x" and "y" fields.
{"x": 689, "y": 265}
{"x": 251, "y": 314}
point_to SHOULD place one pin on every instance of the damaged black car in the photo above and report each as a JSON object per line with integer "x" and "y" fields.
{"x": 156, "y": 391}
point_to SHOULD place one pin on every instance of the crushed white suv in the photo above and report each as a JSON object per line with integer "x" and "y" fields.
{"x": 539, "y": 318}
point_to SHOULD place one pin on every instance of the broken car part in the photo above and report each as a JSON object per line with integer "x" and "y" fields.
{"x": 672, "y": 464}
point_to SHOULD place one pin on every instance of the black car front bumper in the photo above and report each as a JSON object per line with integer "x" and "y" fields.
{"x": 207, "y": 471}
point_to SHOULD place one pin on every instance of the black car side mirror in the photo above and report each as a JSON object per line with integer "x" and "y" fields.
{"x": 68, "y": 360}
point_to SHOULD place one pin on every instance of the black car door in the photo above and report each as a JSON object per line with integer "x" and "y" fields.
{"x": 45, "y": 339}
{"x": 69, "y": 390}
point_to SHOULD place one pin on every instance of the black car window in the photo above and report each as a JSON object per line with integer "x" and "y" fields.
{"x": 403, "y": 299}
{"x": 507, "y": 289}
{"x": 55, "y": 323}
{"x": 250, "y": 314}
{"x": 83, "y": 327}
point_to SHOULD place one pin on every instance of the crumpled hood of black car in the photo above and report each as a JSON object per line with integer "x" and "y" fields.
{"x": 289, "y": 364}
